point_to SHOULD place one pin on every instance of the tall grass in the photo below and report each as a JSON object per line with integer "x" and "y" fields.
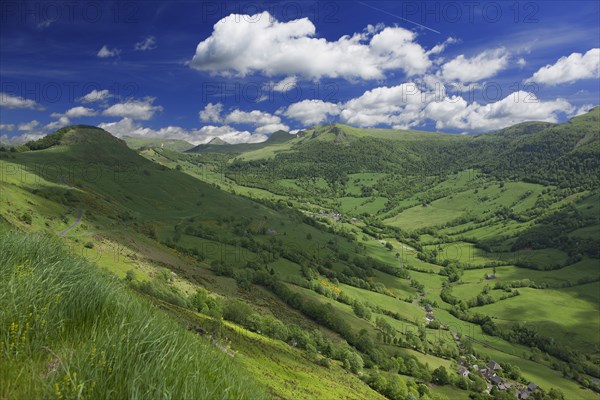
{"x": 68, "y": 330}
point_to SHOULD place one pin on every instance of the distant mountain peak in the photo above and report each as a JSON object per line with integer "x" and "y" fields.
{"x": 217, "y": 141}
{"x": 280, "y": 136}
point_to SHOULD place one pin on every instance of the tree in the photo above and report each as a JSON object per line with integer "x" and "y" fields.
{"x": 477, "y": 383}
{"x": 353, "y": 362}
{"x": 361, "y": 310}
{"x": 556, "y": 394}
{"x": 236, "y": 311}
{"x": 385, "y": 326}
{"x": 440, "y": 376}
{"x": 378, "y": 382}
{"x": 396, "y": 388}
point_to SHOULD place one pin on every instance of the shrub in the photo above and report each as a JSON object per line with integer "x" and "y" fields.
{"x": 26, "y": 218}
{"x": 236, "y": 311}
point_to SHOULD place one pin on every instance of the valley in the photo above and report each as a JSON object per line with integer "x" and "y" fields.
{"x": 337, "y": 262}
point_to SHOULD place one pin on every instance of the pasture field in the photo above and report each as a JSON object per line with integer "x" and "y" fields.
{"x": 290, "y": 264}
{"x": 568, "y": 315}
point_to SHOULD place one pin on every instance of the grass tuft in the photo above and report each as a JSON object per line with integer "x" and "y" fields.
{"x": 71, "y": 331}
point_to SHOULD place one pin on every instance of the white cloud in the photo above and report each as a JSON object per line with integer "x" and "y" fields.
{"x": 79, "y": 111}
{"x": 582, "y": 110}
{"x": 62, "y": 121}
{"x": 396, "y": 106}
{"x": 517, "y": 107}
{"x": 9, "y": 101}
{"x": 105, "y": 52}
{"x": 521, "y": 61}
{"x": 65, "y": 119}
{"x": 127, "y": 126}
{"x": 263, "y": 121}
{"x": 570, "y": 69}
{"x": 242, "y": 44}
{"x": 407, "y": 106}
{"x": 7, "y": 127}
{"x": 311, "y": 112}
{"x": 482, "y": 66}
{"x": 230, "y": 135}
{"x": 22, "y": 138}
{"x": 134, "y": 109}
{"x": 438, "y": 48}
{"x": 28, "y": 126}
{"x": 148, "y": 43}
{"x": 211, "y": 112}
{"x": 286, "y": 84}
{"x": 95, "y": 96}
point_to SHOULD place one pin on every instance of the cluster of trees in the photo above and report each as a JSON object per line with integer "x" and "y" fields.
{"x": 484, "y": 297}
{"x": 47, "y": 141}
{"x": 552, "y": 232}
{"x": 395, "y": 388}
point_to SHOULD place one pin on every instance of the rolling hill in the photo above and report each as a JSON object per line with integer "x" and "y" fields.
{"x": 371, "y": 261}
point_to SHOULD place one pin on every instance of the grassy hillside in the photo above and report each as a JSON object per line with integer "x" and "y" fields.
{"x": 72, "y": 331}
{"x": 131, "y": 216}
{"x": 519, "y": 205}
{"x": 373, "y": 260}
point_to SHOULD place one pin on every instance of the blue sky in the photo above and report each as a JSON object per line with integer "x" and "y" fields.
{"x": 241, "y": 70}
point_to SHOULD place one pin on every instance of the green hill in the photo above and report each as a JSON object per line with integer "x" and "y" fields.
{"x": 318, "y": 256}
{"x": 72, "y": 331}
{"x": 203, "y": 234}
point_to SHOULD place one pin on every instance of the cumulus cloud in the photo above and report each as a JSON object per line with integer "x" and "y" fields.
{"x": 128, "y": 127}
{"x": 569, "y": 69}
{"x": 408, "y": 105}
{"x": 211, "y": 112}
{"x": 242, "y": 44}
{"x": 482, "y": 66}
{"x": 105, "y": 52}
{"x": 28, "y": 126}
{"x": 149, "y": 43}
{"x": 10, "y": 101}
{"x": 79, "y": 111}
{"x": 7, "y": 127}
{"x": 59, "y": 123}
{"x": 95, "y": 96}
{"x": 263, "y": 121}
{"x": 65, "y": 118}
{"x": 135, "y": 109}
{"x": 20, "y": 139}
{"x": 230, "y": 135}
{"x": 396, "y": 106}
{"x": 311, "y": 112}
{"x": 517, "y": 107}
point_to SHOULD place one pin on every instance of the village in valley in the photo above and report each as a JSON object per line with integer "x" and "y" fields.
{"x": 491, "y": 374}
